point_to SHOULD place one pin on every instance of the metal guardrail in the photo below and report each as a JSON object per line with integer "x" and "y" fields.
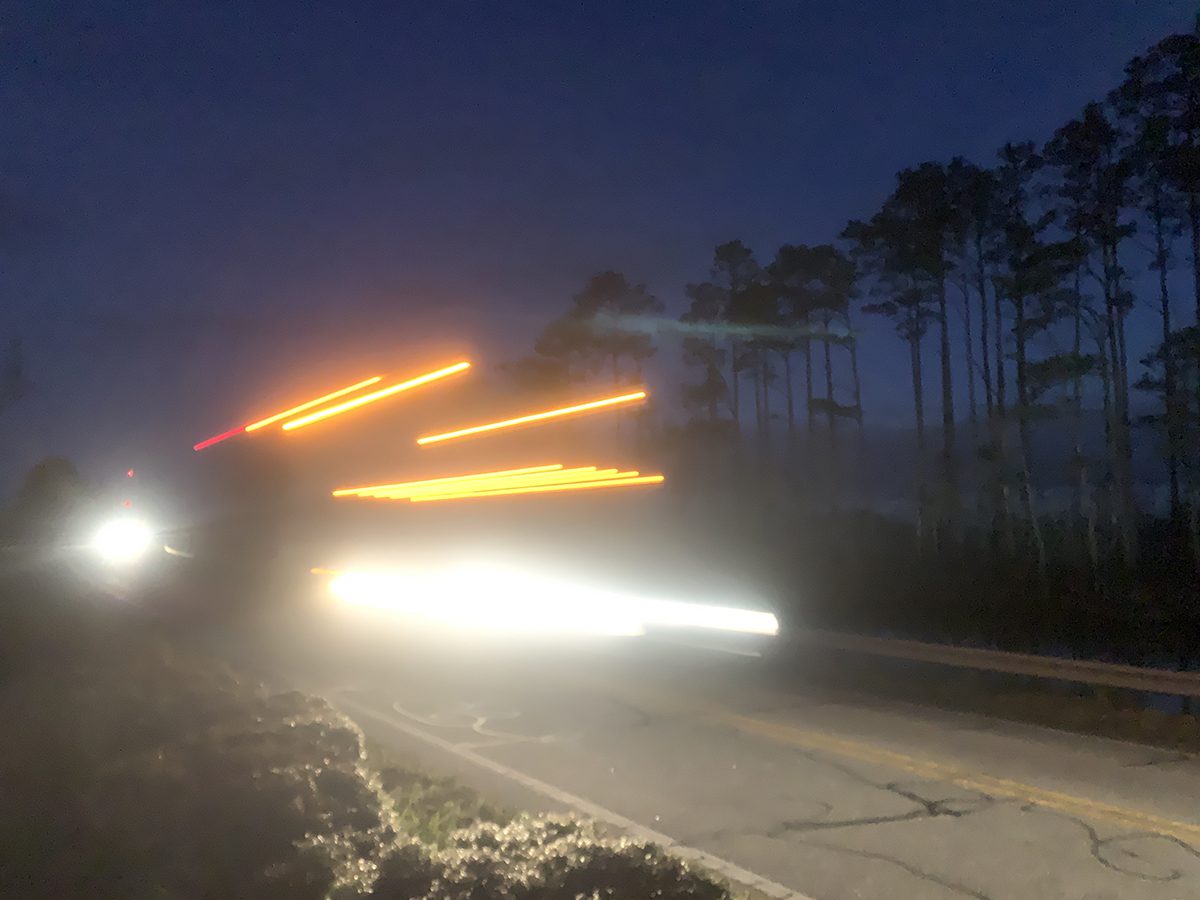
{"x": 1138, "y": 678}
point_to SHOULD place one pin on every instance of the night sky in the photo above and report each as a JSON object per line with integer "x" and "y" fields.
{"x": 202, "y": 203}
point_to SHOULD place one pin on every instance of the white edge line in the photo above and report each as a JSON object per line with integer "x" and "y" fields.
{"x": 731, "y": 871}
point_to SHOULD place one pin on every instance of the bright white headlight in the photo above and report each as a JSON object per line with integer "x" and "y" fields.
{"x": 122, "y": 540}
{"x": 488, "y": 598}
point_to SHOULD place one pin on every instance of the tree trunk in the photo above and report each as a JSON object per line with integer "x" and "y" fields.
{"x": 1194, "y": 219}
{"x": 970, "y": 352}
{"x": 1161, "y": 258}
{"x": 1022, "y": 380}
{"x": 1113, "y": 366}
{"x": 949, "y": 450}
{"x": 1109, "y": 426}
{"x": 1035, "y": 527}
{"x": 1128, "y": 507}
{"x": 1128, "y": 504}
{"x": 834, "y": 466}
{"x": 1088, "y": 511}
{"x": 858, "y": 410}
{"x": 1078, "y": 462}
{"x": 918, "y": 398}
{"x": 830, "y": 413}
{"x": 1004, "y": 494}
{"x": 914, "y": 345}
{"x": 1024, "y": 433}
{"x": 1000, "y": 386}
{"x": 984, "y": 347}
{"x": 1114, "y": 325}
{"x": 1000, "y": 440}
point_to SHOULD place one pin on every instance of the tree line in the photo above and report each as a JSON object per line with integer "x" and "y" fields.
{"x": 1043, "y": 254}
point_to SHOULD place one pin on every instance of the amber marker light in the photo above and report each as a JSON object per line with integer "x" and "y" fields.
{"x": 309, "y": 404}
{"x": 346, "y": 406}
{"x": 534, "y": 417}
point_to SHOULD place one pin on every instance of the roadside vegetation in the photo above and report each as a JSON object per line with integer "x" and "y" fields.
{"x": 134, "y": 768}
{"x": 1047, "y": 304}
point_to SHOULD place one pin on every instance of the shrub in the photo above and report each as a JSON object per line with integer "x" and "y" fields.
{"x": 548, "y": 858}
{"x": 140, "y": 771}
{"x": 167, "y": 778}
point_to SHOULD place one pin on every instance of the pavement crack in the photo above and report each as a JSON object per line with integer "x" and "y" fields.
{"x": 1112, "y": 853}
{"x": 926, "y": 809}
{"x": 776, "y": 831}
{"x": 907, "y": 867}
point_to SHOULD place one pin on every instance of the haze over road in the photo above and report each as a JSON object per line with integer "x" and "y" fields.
{"x": 829, "y": 796}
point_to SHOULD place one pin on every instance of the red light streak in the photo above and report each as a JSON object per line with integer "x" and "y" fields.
{"x": 216, "y": 439}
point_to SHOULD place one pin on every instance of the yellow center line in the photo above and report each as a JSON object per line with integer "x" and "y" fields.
{"x": 934, "y": 770}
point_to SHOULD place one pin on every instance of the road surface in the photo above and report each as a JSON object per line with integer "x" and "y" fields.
{"x": 815, "y": 794}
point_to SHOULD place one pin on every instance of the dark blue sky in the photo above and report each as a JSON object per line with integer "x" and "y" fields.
{"x": 459, "y": 168}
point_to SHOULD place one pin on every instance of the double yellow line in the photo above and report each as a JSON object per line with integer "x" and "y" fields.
{"x": 934, "y": 770}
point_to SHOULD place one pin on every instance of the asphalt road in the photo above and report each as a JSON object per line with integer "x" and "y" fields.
{"x": 815, "y": 794}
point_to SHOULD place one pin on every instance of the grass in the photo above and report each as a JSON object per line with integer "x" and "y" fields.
{"x": 431, "y": 807}
{"x": 134, "y": 766}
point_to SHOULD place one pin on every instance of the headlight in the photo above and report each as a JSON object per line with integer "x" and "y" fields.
{"x": 486, "y": 598}
{"x": 122, "y": 540}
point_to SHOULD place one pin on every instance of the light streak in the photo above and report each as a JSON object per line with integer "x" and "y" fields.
{"x": 567, "y": 476}
{"x": 348, "y": 405}
{"x": 342, "y": 492}
{"x": 507, "y": 600}
{"x": 309, "y": 404}
{"x": 262, "y": 423}
{"x": 483, "y": 599}
{"x": 216, "y": 439}
{"x": 533, "y": 417}
{"x": 615, "y": 481}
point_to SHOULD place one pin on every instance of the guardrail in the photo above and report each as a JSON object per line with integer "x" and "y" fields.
{"x": 1138, "y": 678}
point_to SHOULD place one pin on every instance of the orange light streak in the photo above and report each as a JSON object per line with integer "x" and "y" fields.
{"x": 488, "y": 484}
{"x": 309, "y": 404}
{"x": 342, "y": 492}
{"x": 615, "y": 481}
{"x": 533, "y": 417}
{"x": 348, "y": 405}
